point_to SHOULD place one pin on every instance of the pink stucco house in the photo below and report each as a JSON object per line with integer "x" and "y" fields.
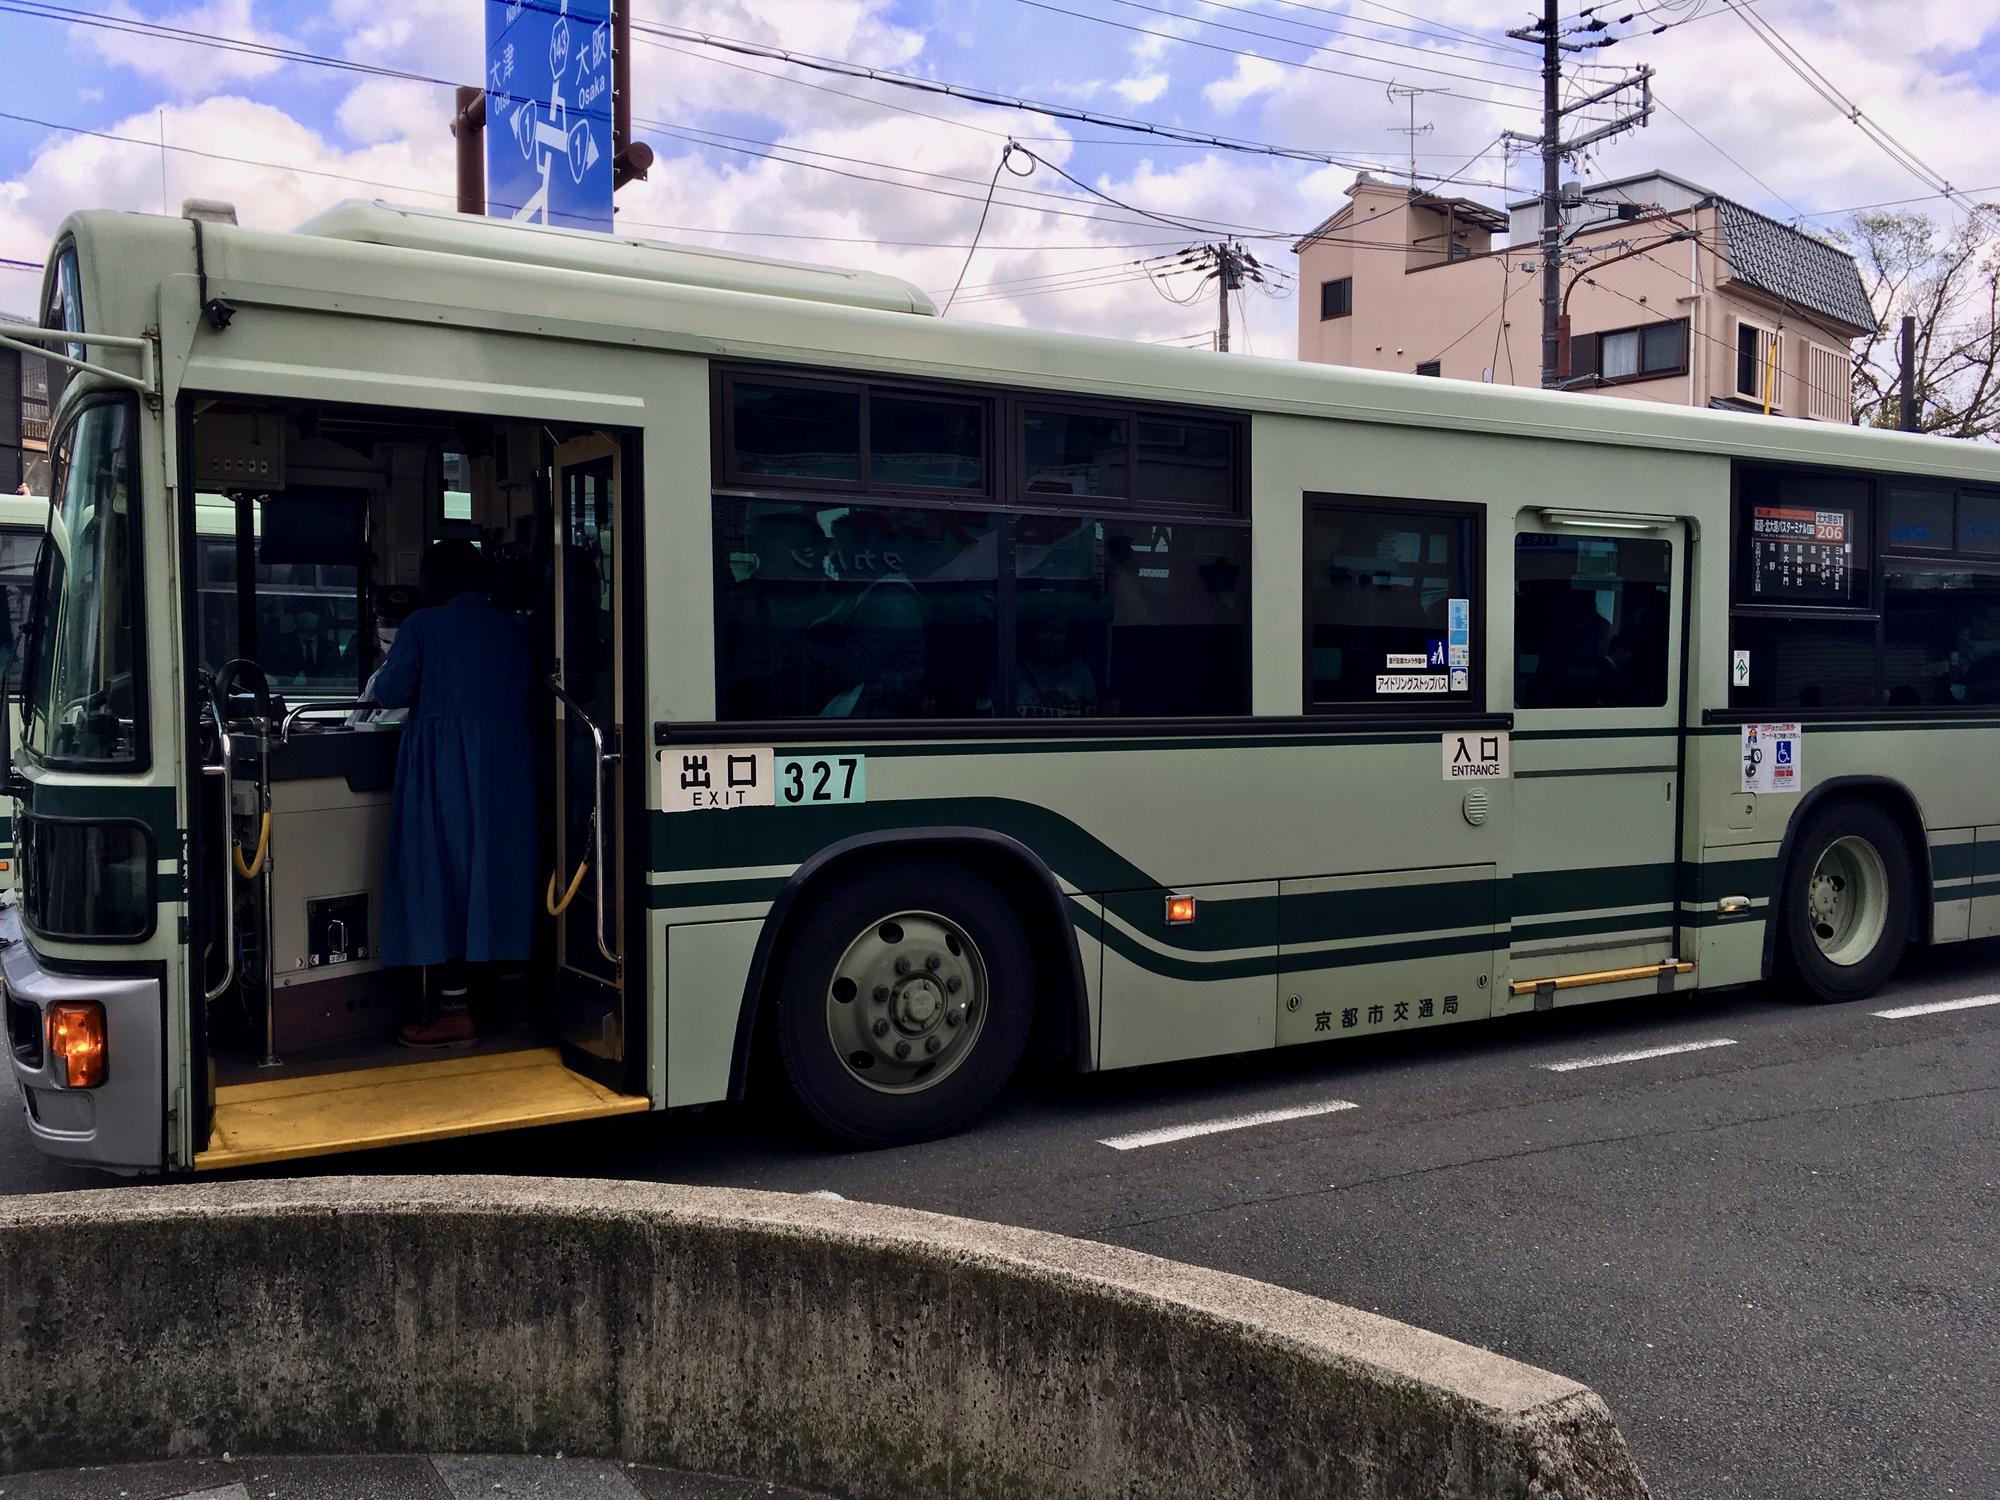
{"x": 1681, "y": 295}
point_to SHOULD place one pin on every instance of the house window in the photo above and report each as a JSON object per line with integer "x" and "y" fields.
{"x": 1336, "y": 298}
{"x": 1758, "y": 362}
{"x": 1829, "y": 384}
{"x": 1647, "y": 352}
{"x": 1431, "y": 367}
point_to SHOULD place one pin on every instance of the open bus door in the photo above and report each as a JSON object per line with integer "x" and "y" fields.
{"x": 586, "y": 892}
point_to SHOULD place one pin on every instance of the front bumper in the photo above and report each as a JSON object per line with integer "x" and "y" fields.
{"x": 121, "y": 1124}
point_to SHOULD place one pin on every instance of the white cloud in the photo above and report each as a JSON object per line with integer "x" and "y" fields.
{"x": 1143, "y": 89}
{"x": 1905, "y": 64}
{"x": 187, "y": 68}
{"x": 1250, "y": 77}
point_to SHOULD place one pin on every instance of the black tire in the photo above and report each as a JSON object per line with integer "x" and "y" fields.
{"x": 1806, "y": 963}
{"x": 824, "y": 1083}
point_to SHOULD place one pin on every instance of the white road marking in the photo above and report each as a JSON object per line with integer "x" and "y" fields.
{"x": 1931, "y": 1008}
{"x": 1166, "y": 1133}
{"x": 1570, "y": 1065}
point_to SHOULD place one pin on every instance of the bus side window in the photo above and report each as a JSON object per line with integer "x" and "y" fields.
{"x": 1590, "y": 621}
{"x": 1379, "y": 584}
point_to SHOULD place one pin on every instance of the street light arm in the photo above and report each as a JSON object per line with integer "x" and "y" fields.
{"x": 1681, "y": 234}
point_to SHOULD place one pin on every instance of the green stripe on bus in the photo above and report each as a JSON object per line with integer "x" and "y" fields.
{"x": 151, "y": 805}
{"x": 714, "y": 893}
{"x": 1641, "y": 924}
{"x": 1954, "y": 861}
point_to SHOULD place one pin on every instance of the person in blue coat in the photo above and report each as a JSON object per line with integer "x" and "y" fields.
{"x": 460, "y": 883}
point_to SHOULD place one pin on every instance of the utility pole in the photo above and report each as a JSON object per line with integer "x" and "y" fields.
{"x": 1232, "y": 268}
{"x": 1222, "y": 291}
{"x": 1552, "y": 214}
{"x": 1908, "y": 405}
{"x": 1232, "y": 265}
{"x": 1548, "y": 35}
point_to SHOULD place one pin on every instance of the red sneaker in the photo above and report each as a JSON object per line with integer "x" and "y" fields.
{"x": 453, "y": 1029}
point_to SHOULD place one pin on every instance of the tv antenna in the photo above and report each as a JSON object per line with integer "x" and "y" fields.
{"x": 1413, "y": 130}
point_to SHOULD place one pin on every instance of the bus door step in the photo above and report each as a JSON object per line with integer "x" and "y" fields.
{"x": 1667, "y": 971}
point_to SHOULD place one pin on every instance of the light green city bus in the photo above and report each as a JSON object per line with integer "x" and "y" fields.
{"x": 922, "y": 694}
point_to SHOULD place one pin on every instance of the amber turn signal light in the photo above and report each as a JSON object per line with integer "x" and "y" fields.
{"x": 76, "y": 1038}
{"x": 1180, "y": 910}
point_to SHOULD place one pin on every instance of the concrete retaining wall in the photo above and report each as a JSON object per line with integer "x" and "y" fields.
{"x": 869, "y": 1351}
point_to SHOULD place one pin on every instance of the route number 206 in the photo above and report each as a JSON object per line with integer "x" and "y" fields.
{"x": 821, "y": 780}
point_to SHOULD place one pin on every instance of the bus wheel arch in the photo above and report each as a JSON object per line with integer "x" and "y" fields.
{"x": 1838, "y": 825}
{"x": 1059, "y": 1024}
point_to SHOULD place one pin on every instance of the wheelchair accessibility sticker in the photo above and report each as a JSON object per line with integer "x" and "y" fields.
{"x": 1771, "y": 757}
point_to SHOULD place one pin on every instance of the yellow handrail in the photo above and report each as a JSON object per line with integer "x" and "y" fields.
{"x": 250, "y": 871}
{"x": 557, "y": 908}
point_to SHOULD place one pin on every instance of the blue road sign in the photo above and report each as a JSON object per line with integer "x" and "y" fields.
{"x": 548, "y": 112}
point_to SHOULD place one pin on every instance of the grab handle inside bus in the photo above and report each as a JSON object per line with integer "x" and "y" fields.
{"x": 593, "y": 856}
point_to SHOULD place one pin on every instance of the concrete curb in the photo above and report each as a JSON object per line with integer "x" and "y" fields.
{"x": 844, "y": 1346}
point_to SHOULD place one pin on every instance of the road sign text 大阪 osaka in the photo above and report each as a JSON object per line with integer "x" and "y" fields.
{"x": 548, "y": 112}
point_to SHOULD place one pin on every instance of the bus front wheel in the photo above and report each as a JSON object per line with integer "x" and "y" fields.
{"x": 904, "y": 1003}
{"x": 1845, "y": 907}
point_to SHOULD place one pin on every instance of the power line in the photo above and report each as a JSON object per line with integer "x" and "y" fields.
{"x": 220, "y": 156}
{"x": 1437, "y": 27}
{"x": 1006, "y": 156}
{"x": 1441, "y": 30}
{"x": 723, "y": 138}
{"x": 77, "y": 15}
{"x": 1149, "y": 142}
{"x": 409, "y": 187}
{"x": 1083, "y": 286}
{"x": 1308, "y": 67}
{"x": 1830, "y": 92}
{"x": 648, "y": 32}
{"x": 1269, "y": 36}
{"x": 917, "y": 187}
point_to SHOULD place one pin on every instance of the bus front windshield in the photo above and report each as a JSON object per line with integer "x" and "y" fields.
{"x": 81, "y": 691}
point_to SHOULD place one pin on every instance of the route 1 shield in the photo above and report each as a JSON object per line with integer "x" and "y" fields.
{"x": 548, "y": 112}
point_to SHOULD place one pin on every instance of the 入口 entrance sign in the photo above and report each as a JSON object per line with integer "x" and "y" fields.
{"x": 1476, "y": 756}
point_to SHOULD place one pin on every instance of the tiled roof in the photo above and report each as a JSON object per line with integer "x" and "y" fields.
{"x": 1792, "y": 266}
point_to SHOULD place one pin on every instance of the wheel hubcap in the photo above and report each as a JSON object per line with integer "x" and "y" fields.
{"x": 906, "y": 1002}
{"x": 1847, "y": 900}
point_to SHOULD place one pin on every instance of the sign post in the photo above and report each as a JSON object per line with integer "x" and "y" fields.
{"x": 548, "y": 112}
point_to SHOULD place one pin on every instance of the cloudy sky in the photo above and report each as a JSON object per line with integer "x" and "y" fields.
{"x": 780, "y": 160}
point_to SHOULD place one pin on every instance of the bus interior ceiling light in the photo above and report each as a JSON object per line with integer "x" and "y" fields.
{"x": 76, "y": 1035}
{"x": 1557, "y": 516}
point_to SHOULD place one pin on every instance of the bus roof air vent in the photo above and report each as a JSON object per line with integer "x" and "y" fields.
{"x": 208, "y": 210}
{"x": 378, "y": 223}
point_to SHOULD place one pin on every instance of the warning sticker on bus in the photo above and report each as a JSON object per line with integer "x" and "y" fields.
{"x": 1770, "y": 757}
{"x": 1401, "y": 682}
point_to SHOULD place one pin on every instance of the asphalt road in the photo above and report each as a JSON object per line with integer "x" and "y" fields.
{"x": 1774, "y": 1258}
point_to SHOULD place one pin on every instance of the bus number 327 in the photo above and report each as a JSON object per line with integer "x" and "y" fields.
{"x": 808, "y": 781}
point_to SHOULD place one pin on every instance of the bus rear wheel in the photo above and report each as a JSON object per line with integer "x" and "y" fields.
{"x": 904, "y": 1003}
{"x": 1846, "y": 901}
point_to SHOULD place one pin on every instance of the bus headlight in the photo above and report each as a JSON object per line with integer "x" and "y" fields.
{"x": 77, "y": 1040}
